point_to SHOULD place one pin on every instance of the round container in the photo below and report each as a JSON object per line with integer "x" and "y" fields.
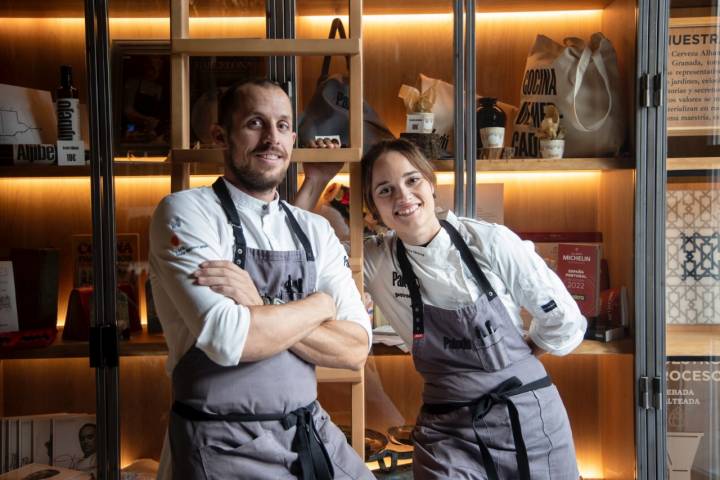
{"x": 490, "y": 120}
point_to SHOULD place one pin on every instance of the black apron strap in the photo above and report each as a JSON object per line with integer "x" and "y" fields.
{"x": 412, "y": 283}
{"x": 313, "y": 461}
{"x": 469, "y": 260}
{"x": 228, "y": 207}
{"x": 299, "y": 233}
{"x": 500, "y": 395}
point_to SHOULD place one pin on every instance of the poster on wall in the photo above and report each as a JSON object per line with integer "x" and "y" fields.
{"x": 693, "y": 417}
{"x": 693, "y": 77}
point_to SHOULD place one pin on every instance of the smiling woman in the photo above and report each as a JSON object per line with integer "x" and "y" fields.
{"x": 452, "y": 288}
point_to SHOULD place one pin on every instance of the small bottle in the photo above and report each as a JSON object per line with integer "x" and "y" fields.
{"x": 490, "y": 121}
{"x": 67, "y": 107}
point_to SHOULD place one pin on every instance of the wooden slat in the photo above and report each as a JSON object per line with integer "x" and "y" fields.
{"x": 215, "y": 155}
{"x": 696, "y": 340}
{"x": 540, "y": 164}
{"x": 180, "y": 92}
{"x": 693, "y": 163}
{"x": 325, "y": 375}
{"x": 265, "y": 47}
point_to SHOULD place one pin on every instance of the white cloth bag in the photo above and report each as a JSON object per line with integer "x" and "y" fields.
{"x": 583, "y": 82}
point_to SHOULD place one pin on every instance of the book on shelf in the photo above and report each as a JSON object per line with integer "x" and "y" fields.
{"x": 128, "y": 256}
{"x": 39, "y": 470}
{"x": 611, "y": 323}
{"x": 579, "y": 269}
{"x": 546, "y": 243}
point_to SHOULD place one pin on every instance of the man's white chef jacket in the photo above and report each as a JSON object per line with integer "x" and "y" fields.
{"x": 519, "y": 276}
{"x": 190, "y": 227}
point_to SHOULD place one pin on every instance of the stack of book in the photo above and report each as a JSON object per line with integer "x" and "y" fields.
{"x": 62, "y": 440}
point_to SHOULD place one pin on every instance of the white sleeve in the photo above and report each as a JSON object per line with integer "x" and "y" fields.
{"x": 181, "y": 238}
{"x": 335, "y": 279}
{"x": 557, "y": 325}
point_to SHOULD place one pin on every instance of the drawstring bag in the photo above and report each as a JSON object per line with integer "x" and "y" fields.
{"x": 328, "y": 111}
{"x": 583, "y": 82}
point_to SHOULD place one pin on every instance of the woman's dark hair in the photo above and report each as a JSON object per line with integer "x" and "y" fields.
{"x": 403, "y": 147}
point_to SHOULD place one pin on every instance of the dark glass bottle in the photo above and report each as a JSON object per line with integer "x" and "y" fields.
{"x": 67, "y": 107}
{"x": 488, "y": 115}
{"x": 66, "y": 88}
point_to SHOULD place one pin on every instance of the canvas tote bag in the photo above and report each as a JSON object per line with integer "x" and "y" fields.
{"x": 583, "y": 82}
{"x": 328, "y": 110}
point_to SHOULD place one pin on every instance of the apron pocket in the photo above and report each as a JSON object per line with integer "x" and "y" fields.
{"x": 491, "y": 351}
{"x": 260, "y": 458}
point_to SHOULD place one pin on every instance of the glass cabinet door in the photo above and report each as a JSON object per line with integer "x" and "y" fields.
{"x": 47, "y": 388}
{"x": 531, "y": 57}
{"x": 692, "y": 242}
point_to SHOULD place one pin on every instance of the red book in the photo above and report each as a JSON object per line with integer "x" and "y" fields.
{"x": 579, "y": 268}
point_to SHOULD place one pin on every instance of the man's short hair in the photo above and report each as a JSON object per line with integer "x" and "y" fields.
{"x": 228, "y": 100}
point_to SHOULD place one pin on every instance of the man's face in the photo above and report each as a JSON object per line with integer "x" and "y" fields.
{"x": 87, "y": 440}
{"x": 261, "y": 140}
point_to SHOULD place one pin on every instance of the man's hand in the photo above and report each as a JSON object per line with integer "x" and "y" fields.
{"x": 226, "y": 278}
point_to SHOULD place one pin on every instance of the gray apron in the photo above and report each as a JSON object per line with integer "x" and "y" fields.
{"x": 490, "y": 411}
{"x": 257, "y": 420}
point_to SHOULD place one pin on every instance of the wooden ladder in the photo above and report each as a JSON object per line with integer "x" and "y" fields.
{"x": 182, "y": 157}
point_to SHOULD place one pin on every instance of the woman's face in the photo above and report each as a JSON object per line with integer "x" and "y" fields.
{"x": 403, "y": 197}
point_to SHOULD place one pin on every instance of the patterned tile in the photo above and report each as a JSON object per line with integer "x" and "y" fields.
{"x": 693, "y": 257}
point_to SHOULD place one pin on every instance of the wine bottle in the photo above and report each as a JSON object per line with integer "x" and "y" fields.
{"x": 67, "y": 107}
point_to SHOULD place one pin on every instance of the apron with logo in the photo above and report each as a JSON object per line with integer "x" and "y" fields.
{"x": 258, "y": 420}
{"x": 490, "y": 411}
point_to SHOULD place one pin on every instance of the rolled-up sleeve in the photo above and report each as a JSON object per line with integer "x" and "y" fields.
{"x": 335, "y": 279}
{"x": 557, "y": 324}
{"x": 181, "y": 238}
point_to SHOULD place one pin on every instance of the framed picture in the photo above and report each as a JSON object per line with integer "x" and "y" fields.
{"x": 141, "y": 94}
{"x": 141, "y": 97}
{"x": 693, "y": 79}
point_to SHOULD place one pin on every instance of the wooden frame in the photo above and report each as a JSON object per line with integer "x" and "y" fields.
{"x": 679, "y": 64}
{"x": 132, "y": 62}
{"x": 182, "y": 47}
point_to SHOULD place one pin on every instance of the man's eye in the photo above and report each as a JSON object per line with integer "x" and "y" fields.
{"x": 284, "y": 126}
{"x": 255, "y": 122}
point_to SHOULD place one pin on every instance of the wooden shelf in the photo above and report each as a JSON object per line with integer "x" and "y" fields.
{"x": 143, "y": 345}
{"x": 264, "y": 47}
{"x": 121, "y": 169}
{"x": 215, "y": 155}
{"x": 219, "y": 8}
{"x": 623, "y": 346}
{"x": 693, "y": 163}
{"x": 539, "y": 164}
{"x": 692, "y": 340}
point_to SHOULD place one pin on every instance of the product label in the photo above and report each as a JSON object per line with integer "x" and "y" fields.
{"x": 67, "y": 119}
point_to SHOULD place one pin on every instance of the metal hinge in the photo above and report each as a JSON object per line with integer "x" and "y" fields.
{"x": 644, "y": 393}
{"x": 657, "y": 393}
{"x": 103, "y": 346}
{"x": 645, "y": 91}
{"x": 658, "y": 90}
{"x": 651, "y": 394}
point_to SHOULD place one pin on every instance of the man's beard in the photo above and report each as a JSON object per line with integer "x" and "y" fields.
{"x": 254, "y": 180}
